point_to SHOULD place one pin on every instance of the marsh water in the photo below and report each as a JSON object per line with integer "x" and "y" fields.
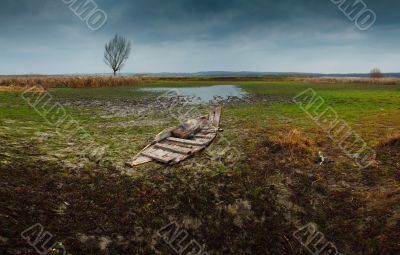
{"x": 203, "y": 94}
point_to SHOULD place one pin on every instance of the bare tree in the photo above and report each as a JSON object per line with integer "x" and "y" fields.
{"x": 117, "y": 52}
{"x": 376, "y": 73}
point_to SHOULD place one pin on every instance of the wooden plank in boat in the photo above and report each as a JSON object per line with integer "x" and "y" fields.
{"x": 206, "y": 135}
{"x": 139, "y": 160}
{"x": 212, "y": 136}
{"x": 208, "y": 131}
{"x": 190, "y": 127}
{"x": 211, "y": 114}
{"x": 197, "y": 149}
{"x": 188, "y": 146}
{"x": 181, "y": 157}
{"x": 214, "y": 116}
{"x": 185, "y": 141}
{"x": 202, "y": 136}
{"x": 194, "y": 148}
{"x": 160, "y": 155}
{"x": 164, "y": 134}
{"x": 173, "y": 148}
{"x": 202, "y": 141}
{"x": 217, "y": 116}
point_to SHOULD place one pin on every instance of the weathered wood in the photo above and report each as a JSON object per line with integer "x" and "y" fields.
{"x": 164, "y": 134}
{"x": 211, "y": 114}
{"x": 159, "y": 155}
{"x": 173, "y": 148}
{"x": 188, "y": 146}
{"x": 189, "y": 128}
{"x": 170, "y": 146}
{"x": 185, "y": 141}
{"x": 201, "y": 136}
{"x": 208, "y": 131}
{"x": 217, "y": 116}
{"x": 139, "y": 160}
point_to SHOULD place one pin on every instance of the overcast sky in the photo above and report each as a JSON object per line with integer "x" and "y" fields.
{"x": 46, "y": 37}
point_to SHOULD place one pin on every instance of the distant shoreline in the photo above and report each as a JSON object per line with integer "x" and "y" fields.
{"x": 211, "y": 74}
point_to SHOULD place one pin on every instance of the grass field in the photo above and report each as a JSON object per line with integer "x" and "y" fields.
{"x": 97, "y": 205}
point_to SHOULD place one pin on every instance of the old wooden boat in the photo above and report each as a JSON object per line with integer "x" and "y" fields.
{"x": 179, "y": 143}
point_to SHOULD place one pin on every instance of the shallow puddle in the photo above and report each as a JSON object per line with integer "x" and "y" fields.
{"x": 203, "y": 95}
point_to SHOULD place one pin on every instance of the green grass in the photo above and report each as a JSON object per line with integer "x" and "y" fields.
{"x": 353, "y": 102}
{"x": 368, "y": 109}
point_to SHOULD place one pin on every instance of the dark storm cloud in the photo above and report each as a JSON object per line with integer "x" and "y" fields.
{"x": 192, "y": 35}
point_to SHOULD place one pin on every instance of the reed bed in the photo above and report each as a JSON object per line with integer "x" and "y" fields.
{"x": 12, "y": 83}
{"x": 68, "y": 81}
{"x": 13, "y": 88}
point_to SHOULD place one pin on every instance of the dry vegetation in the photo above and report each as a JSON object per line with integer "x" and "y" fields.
{"x": 294, "y": 143}
{"x": 392, "y": 141}
{"x": 22, "y": 81}
{"x": 67, "y": 81}
{"x": 21, "y": 89}
{"x": 15, "y": 83}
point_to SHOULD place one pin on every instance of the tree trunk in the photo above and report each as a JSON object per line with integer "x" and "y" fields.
{"x": 115, "y": 72}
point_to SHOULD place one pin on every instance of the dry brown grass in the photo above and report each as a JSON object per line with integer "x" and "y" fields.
{"x": 380, "y": 81}
{"x": 294, "y": 139}
{"x": 383, "y": 197}
{"x": 16, "y": 82}
{"x": 108, "y": 81}
{"x": 23, "y": 81}
{"x": 391, "y": 141}
{"x": 21, "y": 89}
{"x": 293, "y": 142}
